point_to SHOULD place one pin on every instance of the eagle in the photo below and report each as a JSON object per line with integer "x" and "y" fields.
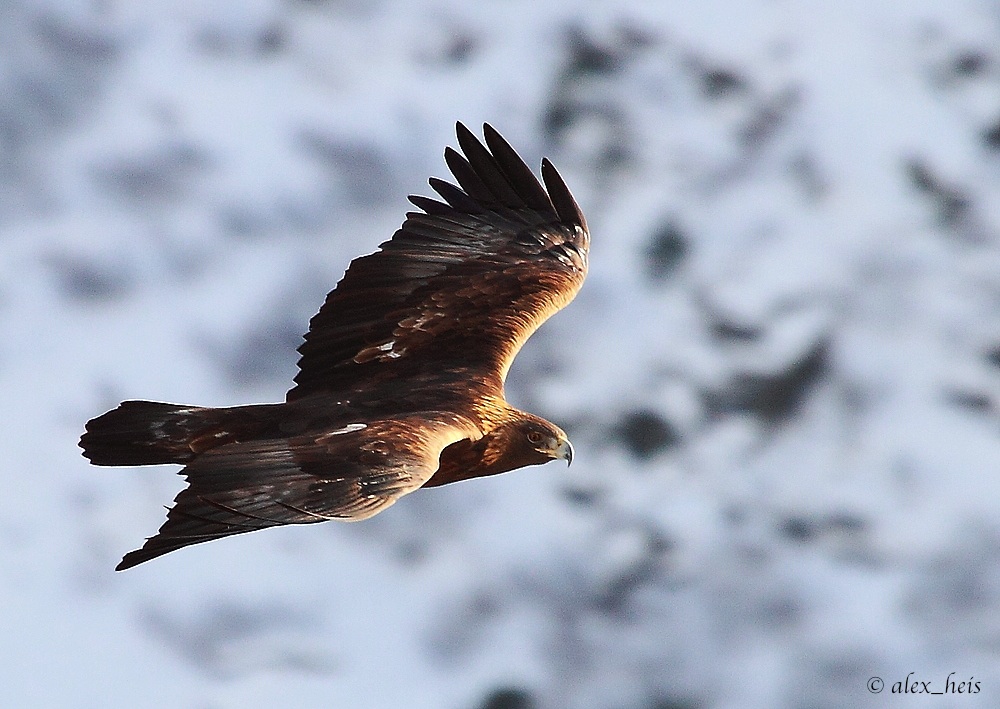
{"x": 401, "y": 375}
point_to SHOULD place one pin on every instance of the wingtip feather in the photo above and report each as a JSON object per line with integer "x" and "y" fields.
{"x": 562, "y": 199}
{"x": 517, "y": 172}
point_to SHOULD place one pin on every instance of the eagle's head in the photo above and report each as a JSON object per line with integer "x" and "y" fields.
{"x": 533, "y": 441}
{"x": 520, "y": 441}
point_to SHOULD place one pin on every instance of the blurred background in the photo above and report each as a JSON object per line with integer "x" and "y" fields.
{"x": 782, "y": 377}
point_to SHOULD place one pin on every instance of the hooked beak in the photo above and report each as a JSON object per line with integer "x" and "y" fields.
{"x": 565, "y": 452}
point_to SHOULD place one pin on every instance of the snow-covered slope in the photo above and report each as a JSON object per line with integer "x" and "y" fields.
{"x": 782, "y": 377}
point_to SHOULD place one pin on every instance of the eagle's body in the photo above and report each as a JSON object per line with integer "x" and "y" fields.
{"x": 402, "y": 371}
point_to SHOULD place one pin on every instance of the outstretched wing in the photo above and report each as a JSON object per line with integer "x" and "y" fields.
{"x": 350, "y": 474}
{"x": 459, "y": 287}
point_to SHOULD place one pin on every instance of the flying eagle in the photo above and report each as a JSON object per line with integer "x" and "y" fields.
{"x": 401, "y": 375}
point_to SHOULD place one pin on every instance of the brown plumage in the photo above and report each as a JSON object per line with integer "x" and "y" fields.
{"x": 401, "y": 378}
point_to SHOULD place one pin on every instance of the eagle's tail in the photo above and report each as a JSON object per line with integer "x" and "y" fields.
{"x": 145, "y": 433}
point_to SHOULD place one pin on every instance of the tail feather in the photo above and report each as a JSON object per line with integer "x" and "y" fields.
{"x": 144, "y": 433}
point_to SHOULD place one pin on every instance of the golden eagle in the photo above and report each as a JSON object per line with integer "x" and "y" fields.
{"x": 401, "y": 378}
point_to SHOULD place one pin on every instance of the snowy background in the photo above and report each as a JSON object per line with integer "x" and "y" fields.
{"x": 782, "y": 377}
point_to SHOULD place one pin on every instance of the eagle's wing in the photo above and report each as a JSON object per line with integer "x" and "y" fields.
{"x": 350, "y": 473}
{"x": 459, "y": 287}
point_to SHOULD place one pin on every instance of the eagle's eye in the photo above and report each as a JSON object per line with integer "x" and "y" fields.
{"x": 535, "y": 437}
